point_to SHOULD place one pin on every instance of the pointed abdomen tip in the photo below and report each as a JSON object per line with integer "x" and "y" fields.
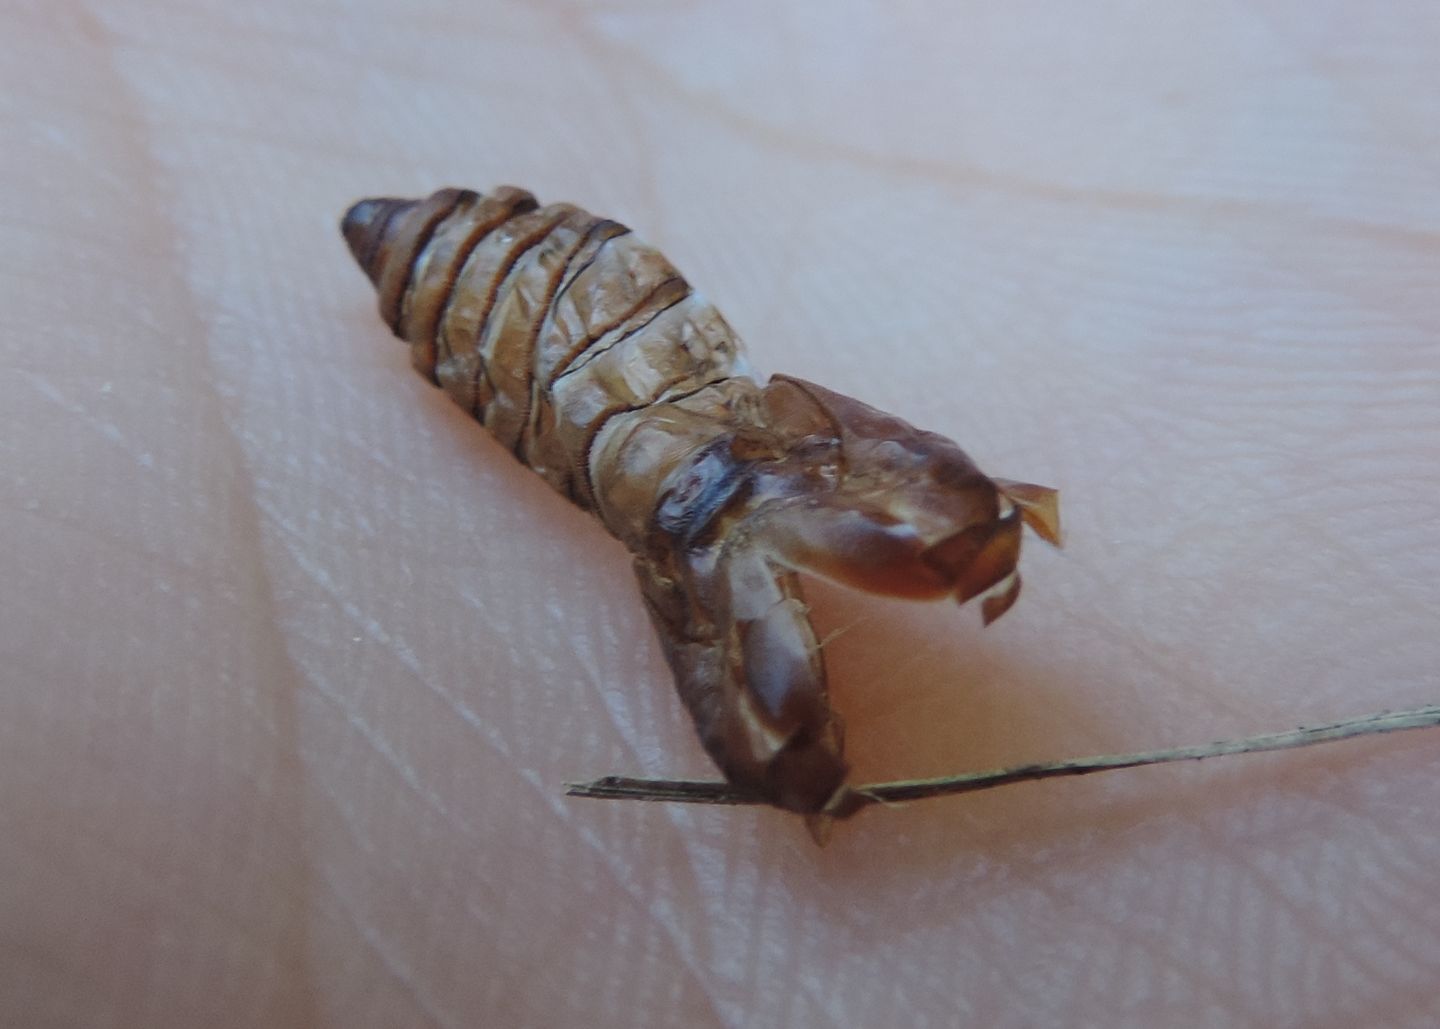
{"x": 364, "y": 227}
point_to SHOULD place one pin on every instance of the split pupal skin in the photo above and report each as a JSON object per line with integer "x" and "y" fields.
{"x": 587, "y": 354}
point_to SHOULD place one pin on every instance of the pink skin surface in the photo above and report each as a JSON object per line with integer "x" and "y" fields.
{"x": 295, "y": 659}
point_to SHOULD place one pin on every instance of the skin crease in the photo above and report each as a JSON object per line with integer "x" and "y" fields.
{"x": 296, "y": 659}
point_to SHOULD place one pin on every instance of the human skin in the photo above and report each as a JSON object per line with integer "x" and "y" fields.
{"x": 296, "y": 660}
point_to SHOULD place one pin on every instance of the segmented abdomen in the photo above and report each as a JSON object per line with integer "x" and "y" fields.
{"x": 544, "y": 322}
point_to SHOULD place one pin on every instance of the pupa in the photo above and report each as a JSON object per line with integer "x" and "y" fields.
{"x": 589, "y": 355}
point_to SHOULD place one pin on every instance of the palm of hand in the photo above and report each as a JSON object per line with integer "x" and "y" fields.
{"x": 302, "y": 658}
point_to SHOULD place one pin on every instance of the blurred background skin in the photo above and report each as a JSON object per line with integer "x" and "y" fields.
{"x": 295, "y": 659}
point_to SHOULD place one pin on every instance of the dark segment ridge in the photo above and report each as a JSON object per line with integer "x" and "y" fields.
{"x": 403, "y": 241}
{"x": 503, "y": 273}
{"x": 543, "y": 309}
{"x": 605, "y": 231}
{"x": 428, "y": 329}
{"x": 667, "y": 294}
{"x": 364, "y": 227}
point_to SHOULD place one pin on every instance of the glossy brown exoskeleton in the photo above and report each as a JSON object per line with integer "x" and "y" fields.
{"x": 588, "y": 355}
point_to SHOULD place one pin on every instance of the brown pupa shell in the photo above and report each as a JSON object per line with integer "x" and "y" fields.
{"x": 588, "y": 354}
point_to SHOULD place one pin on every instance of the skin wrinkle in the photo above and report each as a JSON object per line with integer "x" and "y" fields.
{"x": 1378, "y": 113}
{"x": 1002, "y": 977}
{"x": 815, "y": 992}
{"x": 375, "y": 742}
{"x": 394, "y": 967}
{"x": 1359, "y": 563}
{"x": 542, "y": 960}
{"x": 299, "y": 892}
{"x": 122, "y": 545}
{"x": 1169, "y": 938}
{"x": 158, "y": 893}
{"x": 373, "y": 939}
{"x": 368, "y": 935}
{"x": 904, "y": 898}
{"x": 1399, "y": 952}
{"x": 624, "y": 727}
{"x": 106, "y": 430}
{"x": 294, "y": 993}
{"x": 115, "y": 846}
{"x": 954, "y": 176}
{"x": 402, "y": 654}
{"x": 1415, "y": 907}
{"x": 1304, "y": 916}
{"x": 620, "y": 878}
{"x": 553, "y": 801}
{"x": 699, "y": 852}
{"x": 1153, "y": 656}
{"x": 753, "y": 970}
{"x": 1108, "y": 917}
{"x": 1409, "y": 901}
{"x": 569, "y": 23}
{"x": 601, "y": 689}
{"x": 369, "y": 454}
